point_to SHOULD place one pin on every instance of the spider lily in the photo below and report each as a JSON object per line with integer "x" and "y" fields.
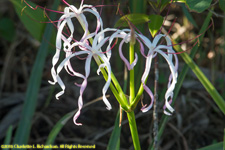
{"x": 69, "y": 43}
{"x": 90, "y": 51}
{"x": 156, "y": 48}
{"x": 66, "y": 19}
{"x": 125, "y": 35}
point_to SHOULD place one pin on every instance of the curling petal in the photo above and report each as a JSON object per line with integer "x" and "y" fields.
{"x": 106, "y": 86}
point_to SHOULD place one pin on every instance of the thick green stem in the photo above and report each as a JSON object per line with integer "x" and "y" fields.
{"x": 133, "y": 130}
{"x": 116, "y": 89}
{"x": 130, "y": 115}
{"x": 132, "y": 86}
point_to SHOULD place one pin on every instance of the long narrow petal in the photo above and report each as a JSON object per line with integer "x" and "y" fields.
{"x": 57, "y": 53}
{"x": 106, "y": 86}
{"x": 82, "y": 88}
{"x": 99, "y": 19}
{"x": 129, "y": 66}
{"x": 59, "y": 68}
{"x": 143, "y": 80}
{"x": 80, "y": 102}
{"x": 169, "y": 92}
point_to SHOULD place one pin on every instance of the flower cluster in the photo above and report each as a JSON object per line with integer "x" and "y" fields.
{"x": 94, "y": 49}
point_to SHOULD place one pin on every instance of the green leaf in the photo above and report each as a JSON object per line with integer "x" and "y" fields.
{"x": 7, "y": 30}
{"x": 224, "y": 139}
{"x": 188, "y": 15}
{"x": 31, "y": 18}
{"x": 8, "y": 137}
{"x": 57, "y": 128}
{"x": 198, "y": 5}
{"x": 114, "y": 141}
{"x": 155, "y": 24}
{"x": 24, "y": 126}
{"x": 135, "y": 18}
{"x": 217, "y": 146}
{"x": 222, "y": 4}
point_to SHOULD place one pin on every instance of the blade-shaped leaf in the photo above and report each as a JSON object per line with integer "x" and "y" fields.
{"x": 114, "y": 141}
{"x": 155, "y": 24}
{"x": 217, "y": 146}
{"x": 135, "y": 18}
{"x": 23, "y": 130}
{"x": 8, "y": 137}
{"x": 188, "y": 15}
{"x": 198, "y": 5}
{"x": 222, "y": 4}
{"x": 7, "y": 29}
{"x": 31, "y": 18}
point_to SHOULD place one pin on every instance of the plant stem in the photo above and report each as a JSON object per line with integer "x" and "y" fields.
{"x": 132, "y": 86}
{"x": 115, "y": 88}
{"x": 155, "y": 115}
{"x": 130, "y": 115}
{"x": 133, "y": 130}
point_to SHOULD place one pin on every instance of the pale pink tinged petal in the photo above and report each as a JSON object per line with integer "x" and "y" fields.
{"x": 134, "y": 62}
{"x": 160, "y": 47}
{"x": 57, "y": 54}
{"x": 170, "y": 101}
{"x": 147, "y": 68}
{"x": 147, "y": 43}
{"x": 54, "y": 61}
{"x": 59, "y": 68}
{"x": 87, "y": 65}
{"x": 62, "y": 85}
{"x": 98, "y": 47}
{"x": 145, "y": 109}
{"x": 68, "y": 67}
{"x": 71, "y": 71}
{"x": 100, "y": 36}
{"x": 74, "y": 10}
{"x": 71, "y": 27}
{"x": 129, "y": 66}
{"x": 169, "y": 92}
{"x": 77, "y": 84}
{"x": 167, "y": 113}
{"x": 82, "y": 88}
{"x": 106, "y": 86}
{"x": 142, "y": 50}
{"x": 99, "y": 68}
{"x": 82, "y": 2}
{"x": 83, "y": 21}
{"x": 156, "y": 39}
{"x": 98, "y": 17}
{"x": 80, "y": 102}
{"x": 143, "y": 79}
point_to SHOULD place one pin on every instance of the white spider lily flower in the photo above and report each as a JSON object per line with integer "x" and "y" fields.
{"x": 125, "y": 35}
{"x": 66, "y": 19}
{"x": 156, "y": 48}
{"x": 91, "y": 51}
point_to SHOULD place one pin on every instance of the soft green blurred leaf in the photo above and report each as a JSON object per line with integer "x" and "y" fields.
{"x": 8, "y": 137}
{"x": 114, "y": 141}
{"x": 7, "y": 29}
{"x": 188, "y": 15}
{"x": 217, "y": 146}
{"x": 30, "y": 101}
{"x": 31, "y": 18}
{"x": 198, "y": 5}
{"x": 222, "y": 4}
{"x": 57, "y": 128}
{"x": 224, "y": 140}
{"x": 155, "y": 24}
{"x": 135, "y": 18}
